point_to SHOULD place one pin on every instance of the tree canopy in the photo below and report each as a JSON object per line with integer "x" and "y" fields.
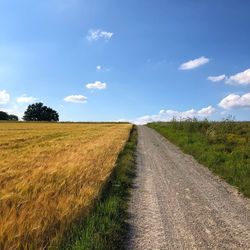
{"x": 39, "y": 112}
{"x": 6, "y": 117}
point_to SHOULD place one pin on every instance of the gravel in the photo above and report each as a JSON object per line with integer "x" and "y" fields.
{"x": 177, "y": 203}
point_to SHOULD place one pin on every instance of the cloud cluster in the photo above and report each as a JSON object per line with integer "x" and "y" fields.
{"x": 216, "y": 78}
{"x": 4, "y": 97}
{"x": 25, "y": 99}
{"x": 76, "y": 98}
{"x": 168, "y": 115}
{"x": 239, "y": 79}
{"x": 96, "y": 85}
{"x": 94, "y": 35}
{"x": 192, "y": 64}
{"x": 83, "y": 99}
{"x": 235, "y": 101}
{"x": 231, "y": 101}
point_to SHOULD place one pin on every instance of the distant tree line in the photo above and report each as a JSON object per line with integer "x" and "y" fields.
{"x": 6, "y": 117}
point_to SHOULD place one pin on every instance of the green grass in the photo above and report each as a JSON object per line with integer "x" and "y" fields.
{"x": 224, "y": 147}
{"x": 105, "y": 227}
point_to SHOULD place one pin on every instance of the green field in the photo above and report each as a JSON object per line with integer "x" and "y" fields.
{"x": 224, "y": 147}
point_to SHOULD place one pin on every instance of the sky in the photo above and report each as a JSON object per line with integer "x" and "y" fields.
{"x": 138, "y": 61}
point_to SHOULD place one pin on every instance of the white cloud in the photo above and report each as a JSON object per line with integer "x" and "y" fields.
{"x": 204, "y": 112}
{"x": 192, "y": 64}
{"x": 235, "y": 101}
{"x": 96, "y": 85}
{"x": 4, "y": 97}
{"x": 241, "y": 79}
{"x": 168, "y": 115}
{"x": 101, "y": 68}
{"x": 76, "y": 98}
{"x": 25, "y": 99}
{"x": 216, "y": 78}
{"x": 94, "y": 35}
{"x": 207, "y": 111}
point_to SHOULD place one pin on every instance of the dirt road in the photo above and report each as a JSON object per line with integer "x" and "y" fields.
{"x": 179, "y": 204}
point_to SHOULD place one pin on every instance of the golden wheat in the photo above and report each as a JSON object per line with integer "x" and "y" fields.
{"x": 50, "y": 174}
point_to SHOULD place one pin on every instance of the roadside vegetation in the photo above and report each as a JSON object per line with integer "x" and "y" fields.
{"x": 224, "y": 147}
{"x": 105, "y": 227}
{"x": 51, "y": 175}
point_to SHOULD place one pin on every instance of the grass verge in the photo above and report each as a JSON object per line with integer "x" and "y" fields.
{"x": 105, "y": 227}
{"x": 224, "y": 147}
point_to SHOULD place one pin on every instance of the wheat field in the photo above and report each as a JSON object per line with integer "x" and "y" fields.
{"x": 50, "y": 174}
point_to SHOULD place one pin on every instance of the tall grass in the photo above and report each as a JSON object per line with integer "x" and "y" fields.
{"x": 50, "y": 176}
{"x": 224, "y": 147}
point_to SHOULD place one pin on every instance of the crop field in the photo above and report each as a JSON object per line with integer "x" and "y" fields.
{"x": 50, "y": 176}
{"x": 224, "y": 147}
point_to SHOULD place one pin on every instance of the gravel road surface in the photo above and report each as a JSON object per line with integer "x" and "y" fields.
{"x": 177, "y": 203}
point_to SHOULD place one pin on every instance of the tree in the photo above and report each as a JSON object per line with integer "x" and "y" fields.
{"x": 39, "y": 112}
{"x": 13, "y": 118}
{"x": 6, "y": 117}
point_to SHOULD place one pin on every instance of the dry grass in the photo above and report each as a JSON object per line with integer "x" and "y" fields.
{"x": 50, "y": 175}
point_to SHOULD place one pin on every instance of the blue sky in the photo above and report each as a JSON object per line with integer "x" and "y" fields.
{"x": 133, "y": 60}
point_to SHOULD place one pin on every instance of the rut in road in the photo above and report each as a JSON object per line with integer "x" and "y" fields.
{"x": 179, "y": 204}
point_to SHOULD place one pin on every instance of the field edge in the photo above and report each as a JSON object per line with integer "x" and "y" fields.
{"x": 105, "y": 227}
